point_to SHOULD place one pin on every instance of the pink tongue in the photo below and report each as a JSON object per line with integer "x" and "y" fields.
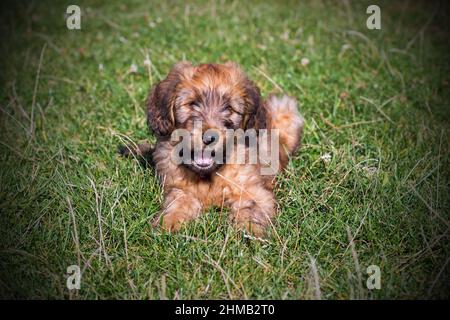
{"x": 203, "y": 162}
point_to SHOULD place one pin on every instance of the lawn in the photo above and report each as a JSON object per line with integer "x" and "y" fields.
{"x": 370, "y": 185}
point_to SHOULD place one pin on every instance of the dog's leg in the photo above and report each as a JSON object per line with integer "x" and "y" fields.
{"x": 179, "y": 208}
{"x": 252, "y": 209}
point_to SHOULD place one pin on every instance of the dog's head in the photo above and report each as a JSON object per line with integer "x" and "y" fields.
{"x": 205, "y": 100}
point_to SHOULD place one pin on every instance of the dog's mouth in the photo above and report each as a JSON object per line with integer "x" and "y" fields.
{"x": 203, "y": 164}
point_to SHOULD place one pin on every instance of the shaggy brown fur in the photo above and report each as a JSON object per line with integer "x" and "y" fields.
{"x": 221, "y": 97}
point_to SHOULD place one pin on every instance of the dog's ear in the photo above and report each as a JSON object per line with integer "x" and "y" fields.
{"x": 161, "y": 100}
{"x": 256, "y": 117}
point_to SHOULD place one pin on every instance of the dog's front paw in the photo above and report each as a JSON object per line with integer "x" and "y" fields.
{"x": 179, "y": 208}
{"x": 170, "y": 222}
{"x": 252, "y": 221}
{"x": 254, "y": 228}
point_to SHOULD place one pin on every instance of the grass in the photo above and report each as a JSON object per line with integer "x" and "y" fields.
{"x": 370, "y": 185}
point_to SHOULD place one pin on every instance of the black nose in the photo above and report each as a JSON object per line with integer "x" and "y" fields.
{"x": 209, "y": 138}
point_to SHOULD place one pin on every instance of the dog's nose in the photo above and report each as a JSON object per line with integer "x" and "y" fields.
{"x": 209, "y": 137}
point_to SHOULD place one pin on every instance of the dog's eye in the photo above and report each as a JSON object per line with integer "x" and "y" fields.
{"x": 229, "y": 124}
{"x": 194, "y": 105}
{"x": 229, "y": 108}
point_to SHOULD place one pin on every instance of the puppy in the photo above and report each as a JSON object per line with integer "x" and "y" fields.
{"x": 208, "y": 101}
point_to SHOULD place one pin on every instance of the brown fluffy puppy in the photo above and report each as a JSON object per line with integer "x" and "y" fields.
{"x": 221, "y": 97}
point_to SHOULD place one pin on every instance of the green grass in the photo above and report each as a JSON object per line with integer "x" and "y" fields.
{"x": 376, "y": 101}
